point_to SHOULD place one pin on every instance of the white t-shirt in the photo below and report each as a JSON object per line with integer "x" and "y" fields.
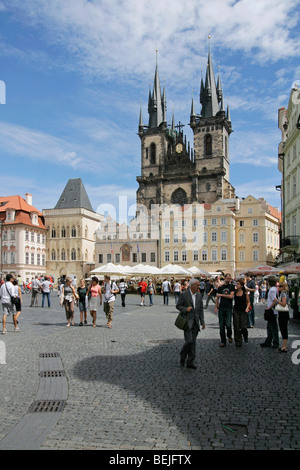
{"x": 166, "y": 286}
{"x": 6, "y": 296}
{"x": 271, "y": 297}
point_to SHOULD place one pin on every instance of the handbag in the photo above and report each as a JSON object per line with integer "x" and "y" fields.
{"x": 181, "y": 322}
{"x": 269, "y": 314}
{"x": 14, "y": 300}
{"x": 280, "y": 308}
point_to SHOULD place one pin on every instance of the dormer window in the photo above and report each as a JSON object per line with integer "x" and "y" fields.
{"x": 10, "y": 215}
{"x": 34, "y": 218}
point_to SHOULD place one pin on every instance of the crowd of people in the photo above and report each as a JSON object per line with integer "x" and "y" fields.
{"x": 234, "y": 301}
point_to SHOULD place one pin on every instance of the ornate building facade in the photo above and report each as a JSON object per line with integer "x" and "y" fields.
{"x": 187, "y": 210}
{"x": 23, "y": 238}
{"x": 71, "y": 228}
{"x": 171, "y": 171}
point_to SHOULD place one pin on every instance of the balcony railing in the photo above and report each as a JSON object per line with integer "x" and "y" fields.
{"x": 290, "y": 243}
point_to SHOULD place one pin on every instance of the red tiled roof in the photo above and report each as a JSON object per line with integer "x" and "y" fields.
{"x": 22, "y": 211}
{"x": 274, "y": 212}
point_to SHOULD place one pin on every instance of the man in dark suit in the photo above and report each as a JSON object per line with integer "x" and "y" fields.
{"x": 190, "y": 305}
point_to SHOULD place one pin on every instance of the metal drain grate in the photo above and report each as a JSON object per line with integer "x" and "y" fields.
{"x": 49, "y": 355}
{"x": 47, "y": 406}
{"x": 52, "y": 373}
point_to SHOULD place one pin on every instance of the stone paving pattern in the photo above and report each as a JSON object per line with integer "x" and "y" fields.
{"x": 125, "y": 389}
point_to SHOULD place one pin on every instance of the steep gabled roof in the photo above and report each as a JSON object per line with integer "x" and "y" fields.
{"x": 22, "y": 211}
{"x": 74, "y": 196}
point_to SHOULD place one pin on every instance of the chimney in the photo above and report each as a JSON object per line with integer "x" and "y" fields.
{"x": 28, "y": 198}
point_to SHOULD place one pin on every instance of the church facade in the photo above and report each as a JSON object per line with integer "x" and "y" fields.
{"x": 171, "y": 171}
{"x": 187, "y": 210}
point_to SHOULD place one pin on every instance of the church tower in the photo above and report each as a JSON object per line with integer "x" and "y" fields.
{"x": 171, "y": 171}
{"x": 167, "y": 165}
{"x": 211, "y": 130}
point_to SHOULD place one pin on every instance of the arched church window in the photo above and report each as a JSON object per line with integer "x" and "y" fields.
{"x": 53, "y": 255}
{"x": 179, "y": 197}
{"x": 208, "y": 144}
{"x": 73, "y": 254}
{"x": 153, "y": 154}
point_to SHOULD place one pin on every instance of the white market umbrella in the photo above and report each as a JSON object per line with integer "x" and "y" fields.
{"x": 262, "y": 269}
{"x": 293, "y": 268}
{"x": 109, "y": 268}
{"x": 175, "y": 270}
{"x": 198, "y": 271}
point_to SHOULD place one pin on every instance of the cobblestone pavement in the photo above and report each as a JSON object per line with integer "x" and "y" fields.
{"x": 123, "y": 388}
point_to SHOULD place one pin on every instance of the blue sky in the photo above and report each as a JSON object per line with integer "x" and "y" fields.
{"x": 77, "y": 71}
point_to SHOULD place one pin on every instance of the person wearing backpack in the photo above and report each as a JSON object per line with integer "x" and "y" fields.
{"x": 6, "y": 294}
{"x": 110, "y": 289}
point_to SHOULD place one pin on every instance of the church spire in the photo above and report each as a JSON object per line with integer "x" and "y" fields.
{"x": 210, "y": 94}
{"x": 157, "y": 103}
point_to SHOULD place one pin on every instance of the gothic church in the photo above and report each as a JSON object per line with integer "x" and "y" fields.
{"x": 171, "y": 171}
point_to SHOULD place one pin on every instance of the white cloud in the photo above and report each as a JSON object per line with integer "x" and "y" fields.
{"x": 259, "y": 148}
{"x": 119, "y": 36}
{"x": 21, "y": 141}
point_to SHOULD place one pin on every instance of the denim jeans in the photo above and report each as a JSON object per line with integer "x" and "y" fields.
{"x": 225, "y": 315}
{"x": 176, "y": 295}
{"x": 151, "y": 298}
{"x": 46, "y": 294}
{"x": 166, "y": 298}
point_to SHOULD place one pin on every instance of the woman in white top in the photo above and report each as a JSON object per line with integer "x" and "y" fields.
{"x": 6, "y": 293}
{"x": 18, "y": 294}
{"x": 283, "y": 316}
{"x": 177, "y": 291}
{"x": 272, "y": 339}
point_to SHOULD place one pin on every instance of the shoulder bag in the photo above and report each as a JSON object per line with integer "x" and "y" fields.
{"x": 181, "y": 322}
{"x": 14, "y": 300}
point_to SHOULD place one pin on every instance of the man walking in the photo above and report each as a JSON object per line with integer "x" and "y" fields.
{"x": 224, "y": 298}
{"x": 250, "y": 288}
{"x": 45, "y": 286}
{"x": 6, "y": 294}
{"x": 35, "y": 286}
{"x": 190, "y": 305}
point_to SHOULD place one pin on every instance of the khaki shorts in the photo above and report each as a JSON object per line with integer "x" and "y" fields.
{"x": 8, "y": 309}
{"x": 108, "y": 308}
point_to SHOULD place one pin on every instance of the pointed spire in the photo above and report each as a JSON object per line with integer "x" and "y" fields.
{"x": 201, "y": 89}
{"x": 193, "y": 108}
{"x": 141, "y": 125}
{"x": 208, "y": 93}
{"x": 219, "y": 87}
{"x": 157, "y": 104}
{"x": 228, "y": 114}
{"x": 173, "y": 121}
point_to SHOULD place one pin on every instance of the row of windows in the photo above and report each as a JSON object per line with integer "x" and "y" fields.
{"x": 291, "y": 188}
{"x": 136, "y": 258}
{"x": 29, "y": 236}
{"x": 63, "y": 232}
{"x": 30, "y": 258}
{"x": 64, "y": 255}
{"x": 177, "y": 256}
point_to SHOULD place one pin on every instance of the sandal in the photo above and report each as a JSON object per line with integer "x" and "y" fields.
{"x": 280, "y": 350}
{"x": 109, "y": 324}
